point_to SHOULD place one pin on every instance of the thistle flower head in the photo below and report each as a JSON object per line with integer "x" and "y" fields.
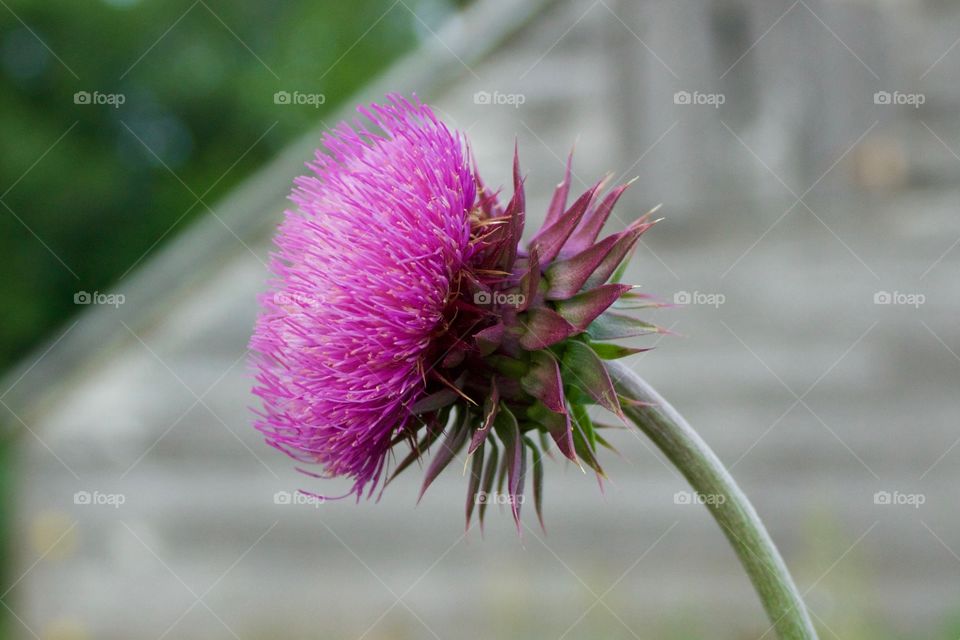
{"x": 362, "y": 272}
{"x": 405, "y": 309}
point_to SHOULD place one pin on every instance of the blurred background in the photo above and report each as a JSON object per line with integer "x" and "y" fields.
{"x": 806, "y": 156}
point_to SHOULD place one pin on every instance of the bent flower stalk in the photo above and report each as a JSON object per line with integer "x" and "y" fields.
{"x": 405, "y": 311}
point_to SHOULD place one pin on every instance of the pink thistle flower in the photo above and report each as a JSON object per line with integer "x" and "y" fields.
{"x": 363, "y": 269}
{"x": 404, "y": 309}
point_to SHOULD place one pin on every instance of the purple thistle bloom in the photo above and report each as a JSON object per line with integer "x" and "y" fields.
{"x": 404, "y": 309}
{"x": 363, "y": 269}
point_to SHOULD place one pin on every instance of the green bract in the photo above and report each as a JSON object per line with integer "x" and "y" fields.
{"x": 519, "y": 356}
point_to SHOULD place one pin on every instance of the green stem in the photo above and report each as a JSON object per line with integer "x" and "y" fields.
{"x": 733, "y": 512}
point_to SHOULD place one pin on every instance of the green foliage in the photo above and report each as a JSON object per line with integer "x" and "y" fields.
{"x": 198, "y": 83}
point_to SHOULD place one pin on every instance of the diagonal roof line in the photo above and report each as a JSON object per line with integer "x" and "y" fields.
{"x": 252, "y": 208}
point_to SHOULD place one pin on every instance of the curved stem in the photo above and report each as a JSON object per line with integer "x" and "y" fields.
{"x": 734, "y": 513}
